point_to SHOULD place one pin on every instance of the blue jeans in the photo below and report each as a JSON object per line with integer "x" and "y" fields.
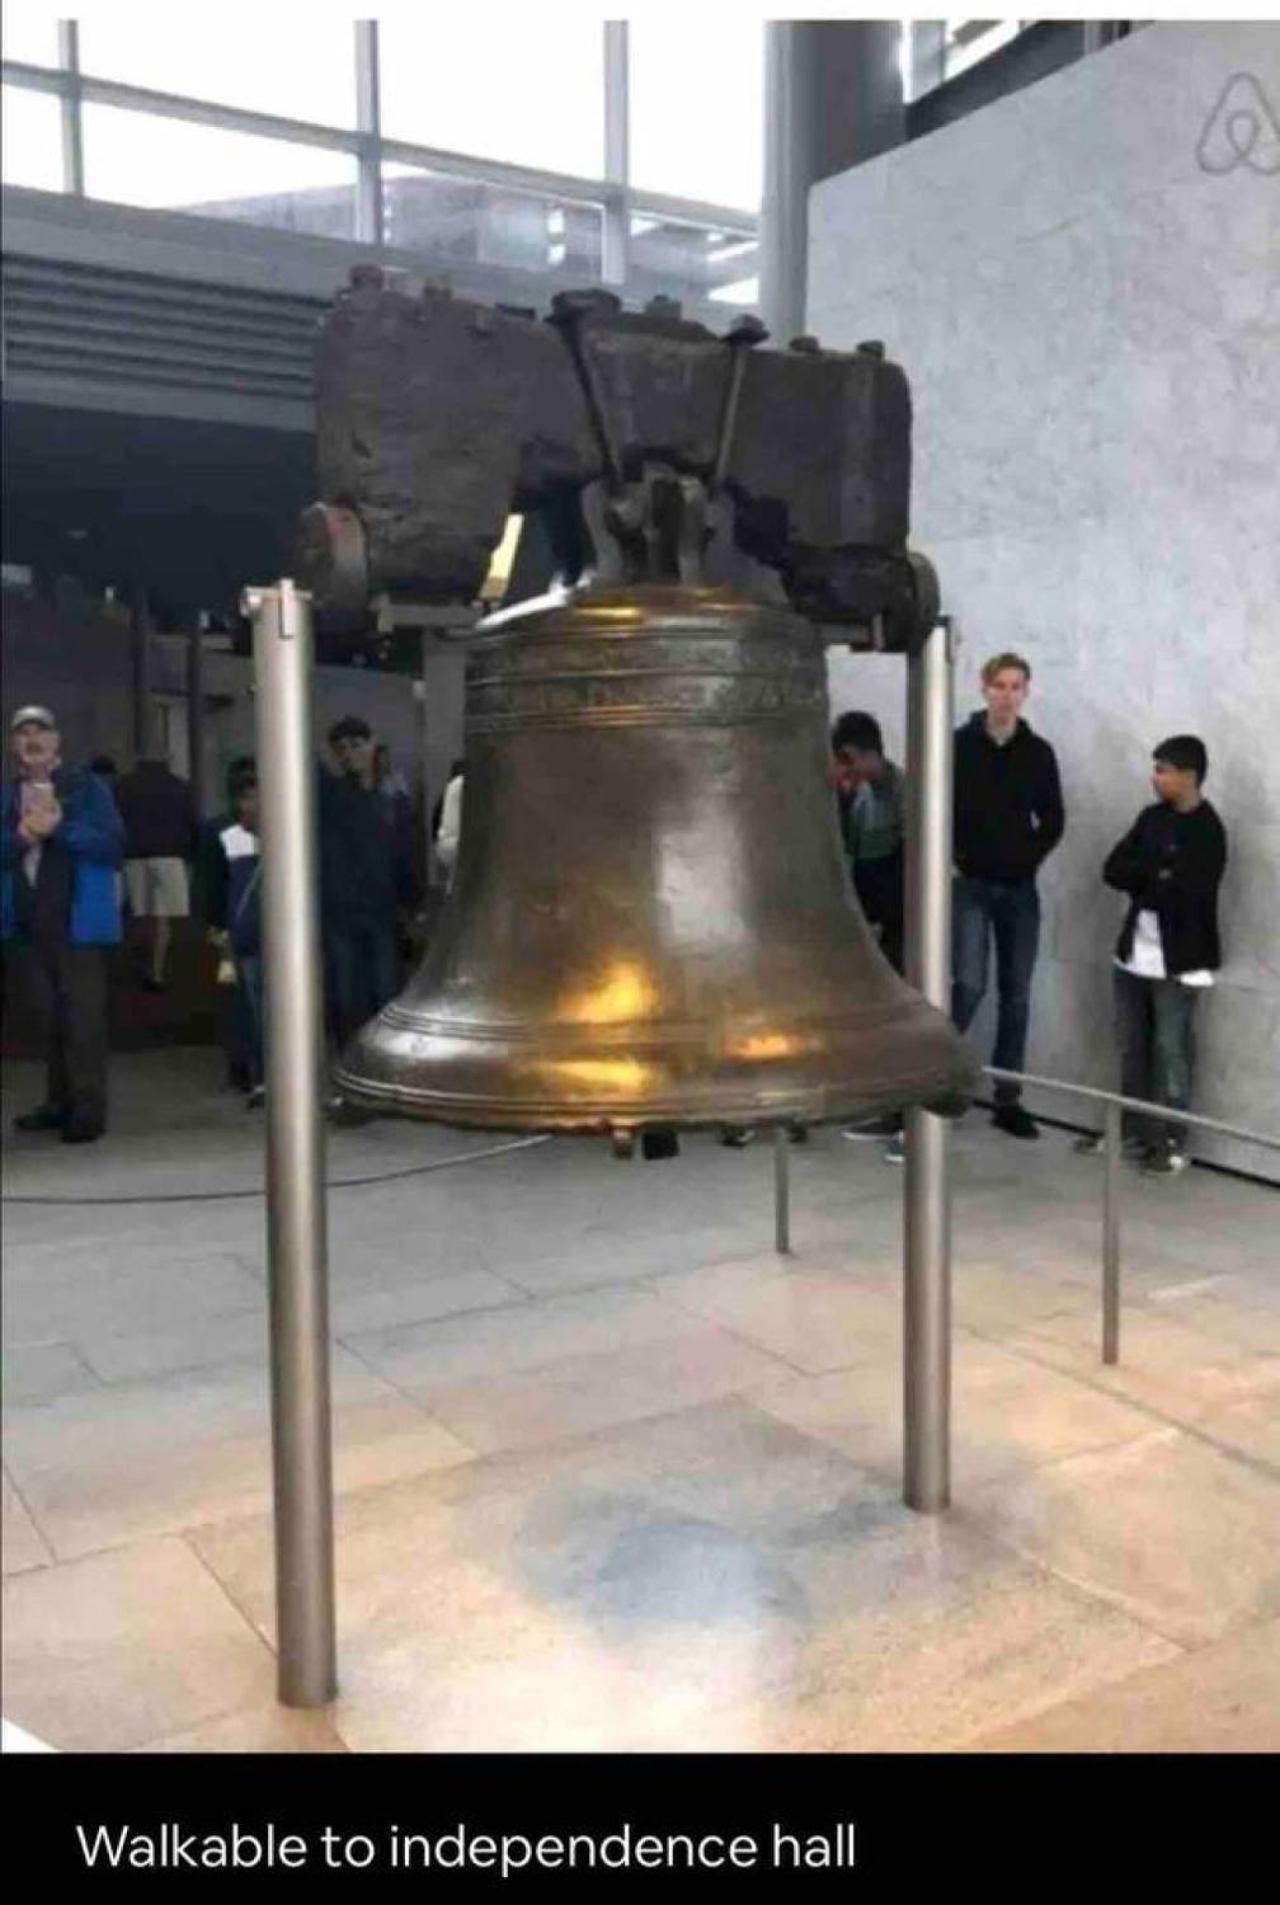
{"x": 363, "y": 973}
{"x": 1007, "y": 912}
{"x": 249, "y": 977}
{"x": 1154, "y": 1025}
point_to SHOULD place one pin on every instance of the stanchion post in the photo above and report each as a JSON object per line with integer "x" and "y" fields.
{"x": 782, "y": 1190}
{"x": 296, "y": 1241}
{"x": 927, "y": 1196}
{"x": 1111, "y": 1237}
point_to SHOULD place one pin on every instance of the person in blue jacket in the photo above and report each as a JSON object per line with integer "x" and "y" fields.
{"x": 63, "y": 842}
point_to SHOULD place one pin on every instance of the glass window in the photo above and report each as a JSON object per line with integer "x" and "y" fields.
{"x": 969, "y": 41}
{"x": 526, "y": 90}
{"x": 691, "y": 139}
{"x": 711, "y": 272}
{"x": 263, "y": 62}
{"x": 455, "y": 222}
{"x": 32, "y": 139}
{"x": 26, "y": 36}
{"x": 137, "y": 158}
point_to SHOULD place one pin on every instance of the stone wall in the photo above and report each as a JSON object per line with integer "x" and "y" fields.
{"x": 1083, "y": 283}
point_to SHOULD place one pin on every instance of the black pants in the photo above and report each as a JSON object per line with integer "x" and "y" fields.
{"x": 1154, "y": 1021}
{"x": 362, "y": 970}
{"x": 67, "y": 986}
{"x": 879, "y": 887}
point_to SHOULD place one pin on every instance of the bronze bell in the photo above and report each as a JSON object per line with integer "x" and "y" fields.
{"x": 652, "y": 922}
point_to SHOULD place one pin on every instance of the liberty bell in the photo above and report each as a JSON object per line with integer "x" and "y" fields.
{"x": 652, "y": 923}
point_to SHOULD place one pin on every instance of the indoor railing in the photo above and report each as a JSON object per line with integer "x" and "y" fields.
{"x": 1114, "y": 1104}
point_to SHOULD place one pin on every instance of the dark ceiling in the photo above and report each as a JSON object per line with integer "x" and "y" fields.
{"x": 190, "y": 511}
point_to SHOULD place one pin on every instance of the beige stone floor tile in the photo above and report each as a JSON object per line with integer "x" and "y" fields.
{"x": 580, "y": 1394}
{"x": 1219, "y": 1699}
{"x": 521, "y": 1336}
{"x": 120, "y": 1356}
{"x": 1008, "y": 1414}
{"x": 40, "y": 1372}
{"x": 105, "y": 1653}
{"x": 533, "y": 1512}
{"x": 646, "y": 1581}
{"x": 811, "y": 1319}
{"x": 61, "y": 1298}
{"x": 1164, "y": 1364}
{"x": 152, "y": 1457}
{"x": 258, "y": 1729}
{"x": 998, "y": 1301}
{"x": 637, "y": 1257}
{"x": 1225, "y": 1307}
{"x": 1250, "y": 1428}
{"x": 895, "y": 1688}
{"x": 203, "y": 1342}
{"x": 390, "y": 1303}
{"x": 1180, "y": 1535}
{"x": 21, "y": 1544}
{"x": 1233, "y": 1235}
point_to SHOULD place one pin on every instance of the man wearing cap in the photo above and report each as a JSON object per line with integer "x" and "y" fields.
{"x": 62, "y": 845}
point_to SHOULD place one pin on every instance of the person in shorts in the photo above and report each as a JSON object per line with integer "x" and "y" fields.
{"x": 160, "y": 830}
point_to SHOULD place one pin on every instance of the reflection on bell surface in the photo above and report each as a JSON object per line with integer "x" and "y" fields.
{"x": 652, "y": 922}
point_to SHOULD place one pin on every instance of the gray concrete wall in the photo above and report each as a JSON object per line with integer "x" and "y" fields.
{"x": 1083, "y": 283}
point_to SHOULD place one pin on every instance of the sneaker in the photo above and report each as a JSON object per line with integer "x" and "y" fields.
{"x": 1015, "y": 1121}
{"x": 1094, "y": 1144}
{"x": 43, "y": 1118}
{"x": 889, "y": 1126}
{"x": 257, "y": 1098}
{"x": 1162, "y": 1161}
{"x": 895, "y": 1152}
{"x": 82, "y": 1131}
{"x": 799, "y": 1134}
{"x": 736, "y": 1135}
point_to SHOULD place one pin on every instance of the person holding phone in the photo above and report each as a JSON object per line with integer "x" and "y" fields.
{"x": 63, "y": 843}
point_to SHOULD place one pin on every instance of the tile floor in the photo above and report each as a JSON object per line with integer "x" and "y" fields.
{"x": 611, "y": 1474}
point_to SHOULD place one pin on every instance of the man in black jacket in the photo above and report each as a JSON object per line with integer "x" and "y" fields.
{"x": 1170, "y": 863}
{"x": 1008, "y": 819}
{"x": 367, "y": 876}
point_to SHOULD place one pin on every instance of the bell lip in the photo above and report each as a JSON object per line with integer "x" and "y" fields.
{"x": 947, "y": 1095}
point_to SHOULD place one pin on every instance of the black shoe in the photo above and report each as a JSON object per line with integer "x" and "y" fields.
{"x": 43, "y": 1118}
{"x": 736, "y": 1135}
{"x": 656, "y": 1145}
{"x": 1014, "y": 1120}
{"x": 82, "y": 1131}
{"x": 799, "y": 1134}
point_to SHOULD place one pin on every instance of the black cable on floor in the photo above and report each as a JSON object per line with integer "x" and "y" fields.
{"x": 332, "y": 1184}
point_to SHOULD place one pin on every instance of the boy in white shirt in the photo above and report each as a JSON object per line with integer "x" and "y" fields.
{"x": 1170, "y": 863}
